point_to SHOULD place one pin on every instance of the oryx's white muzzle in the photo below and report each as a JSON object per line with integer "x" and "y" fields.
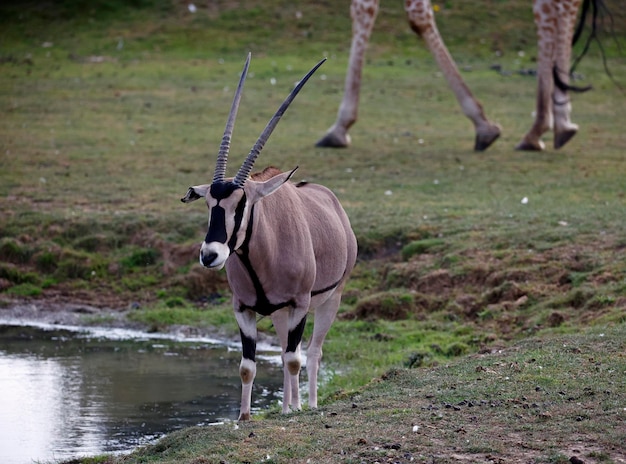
{"x": 213, "y": 255}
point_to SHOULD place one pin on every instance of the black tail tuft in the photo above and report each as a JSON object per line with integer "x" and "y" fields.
{"x": 566, "y": 87}
{"x": 598, "y": 8}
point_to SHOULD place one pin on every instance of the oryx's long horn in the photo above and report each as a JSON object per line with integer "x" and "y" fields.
{"x": 246, "y": 167}
{"x": 222, "y": 156}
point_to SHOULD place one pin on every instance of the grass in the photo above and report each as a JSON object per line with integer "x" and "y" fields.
{"x": 541, "y": 400}
{"x": 110, "y": 112}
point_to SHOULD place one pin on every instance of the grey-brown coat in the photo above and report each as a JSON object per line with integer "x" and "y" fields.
{"x": 288, "y": 250}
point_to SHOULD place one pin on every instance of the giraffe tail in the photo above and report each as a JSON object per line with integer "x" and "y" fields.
{"x": 566, "y": 87}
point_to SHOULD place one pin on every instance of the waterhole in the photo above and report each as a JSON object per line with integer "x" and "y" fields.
{"x": 67, "y": 392}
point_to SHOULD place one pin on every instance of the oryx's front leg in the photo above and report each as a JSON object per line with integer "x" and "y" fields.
{"x": 247, "y": 369}
{"x": 289, "y": 325}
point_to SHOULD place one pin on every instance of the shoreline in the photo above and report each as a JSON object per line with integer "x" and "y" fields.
{"x": 81, "y": 316}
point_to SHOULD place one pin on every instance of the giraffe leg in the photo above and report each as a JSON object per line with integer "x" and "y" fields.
{"x": 564, "y": 128}
{"x": 363, "y": 13}
{"x": 544, "y": 12}
{"x": 421, "y": 19}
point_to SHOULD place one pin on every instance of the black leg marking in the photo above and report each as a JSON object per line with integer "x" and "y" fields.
{"x": 295, "y": 336}
{"x": 248, "y": 346}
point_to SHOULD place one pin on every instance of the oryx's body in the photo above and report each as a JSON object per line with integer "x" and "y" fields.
{"x": 555, "y": 21}
{"x": 299, "y": 255}
{"x": 287, "y": 250}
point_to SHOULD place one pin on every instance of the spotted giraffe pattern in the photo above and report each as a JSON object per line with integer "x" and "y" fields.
{"x": 555, "y": 21}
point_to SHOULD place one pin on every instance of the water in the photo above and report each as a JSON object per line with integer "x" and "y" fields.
{"x": 66, "y": 393}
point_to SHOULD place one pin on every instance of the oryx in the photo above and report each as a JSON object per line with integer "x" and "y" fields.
{"x": 288, "y": 249}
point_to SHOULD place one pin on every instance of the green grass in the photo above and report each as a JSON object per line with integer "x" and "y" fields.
{"x": 541, "y": 400}
{"x": 110, "y": 112}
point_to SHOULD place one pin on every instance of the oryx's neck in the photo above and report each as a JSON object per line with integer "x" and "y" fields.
{"x": 261, "y": 305}
{"x": 269, "y": 282}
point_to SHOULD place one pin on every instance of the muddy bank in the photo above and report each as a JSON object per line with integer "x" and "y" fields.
{"x": 63, "y": 313}
{"x": 72, "y": 314}
{"x": 84, "y": 315}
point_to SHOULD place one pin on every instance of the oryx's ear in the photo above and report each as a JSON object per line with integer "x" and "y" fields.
{"x": 196, "y": 192}
{"x": 263, "y": 189}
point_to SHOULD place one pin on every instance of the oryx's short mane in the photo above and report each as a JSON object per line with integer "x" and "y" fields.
{"x": 269, "y": 172}
{"x": 266, "y": 174}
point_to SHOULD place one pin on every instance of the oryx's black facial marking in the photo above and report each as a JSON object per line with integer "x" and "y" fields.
{"x": 241, "y": 206}
{"x": 217, "y": 224}
{"x": 221, "y": 190}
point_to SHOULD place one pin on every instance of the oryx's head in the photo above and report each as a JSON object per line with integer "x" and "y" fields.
{"x": 230, "y": 200}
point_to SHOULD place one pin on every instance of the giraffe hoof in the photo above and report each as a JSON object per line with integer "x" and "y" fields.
{"x": 563, "y": 137}
{"x": 333, "y": 140}
{"x": 525, "y": 145}
{"x": 484, "y": 141}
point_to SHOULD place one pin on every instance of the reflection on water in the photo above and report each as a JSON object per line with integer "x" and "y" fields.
{"x": 65, "y": 394}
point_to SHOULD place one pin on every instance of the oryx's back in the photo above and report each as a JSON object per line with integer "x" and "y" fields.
{"x": 301, "y": 243}
{"x": 328, "y": 222}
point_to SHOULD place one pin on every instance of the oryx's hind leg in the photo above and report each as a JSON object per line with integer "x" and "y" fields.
{"x": 324, "y": 316}
{"x": 247, "y": 368}
{"x": 363, "y": 14}
{"x": 289, "y": 324}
